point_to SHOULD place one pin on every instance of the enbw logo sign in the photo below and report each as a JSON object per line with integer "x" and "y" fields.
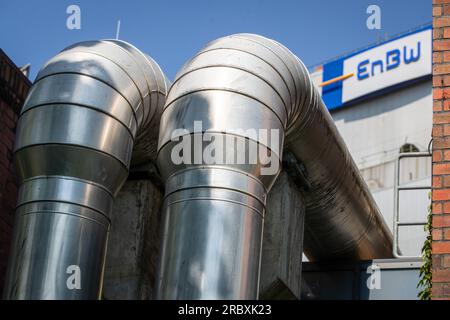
{"x": 379, "y": 69}
{"x": 394, "y": 58}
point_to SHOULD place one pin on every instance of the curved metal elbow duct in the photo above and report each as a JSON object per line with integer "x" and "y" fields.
{"x": 88, "y": 107}
{"x": 213, "y": 211}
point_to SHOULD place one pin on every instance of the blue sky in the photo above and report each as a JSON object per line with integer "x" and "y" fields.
{"x": 172, "y": 31}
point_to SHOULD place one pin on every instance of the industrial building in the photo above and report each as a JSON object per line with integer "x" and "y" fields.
{"x": 382, "y": 107}
{"x": 352, "y": 191}
{"x": 388, "y": 113}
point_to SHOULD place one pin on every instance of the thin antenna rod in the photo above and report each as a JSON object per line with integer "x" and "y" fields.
{"x": 118, "y": 30}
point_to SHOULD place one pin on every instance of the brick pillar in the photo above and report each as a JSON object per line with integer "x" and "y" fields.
{"x": 441, "y": 150}
{"x": 13, "y": 89}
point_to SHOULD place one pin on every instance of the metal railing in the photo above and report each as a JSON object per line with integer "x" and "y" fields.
{"x": 397, "y": 188}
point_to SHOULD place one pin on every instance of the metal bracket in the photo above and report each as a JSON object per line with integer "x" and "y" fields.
{"x": 296, "y": 170}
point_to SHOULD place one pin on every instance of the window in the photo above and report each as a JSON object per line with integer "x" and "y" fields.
{"x": 408, "y": 147}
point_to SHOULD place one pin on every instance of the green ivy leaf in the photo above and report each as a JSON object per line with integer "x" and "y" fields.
{"x": 425, "y": 275}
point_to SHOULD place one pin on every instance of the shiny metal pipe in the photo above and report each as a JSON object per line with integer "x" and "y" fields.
{"x": 94, "y": 109}
{"x": 214, "y": 211}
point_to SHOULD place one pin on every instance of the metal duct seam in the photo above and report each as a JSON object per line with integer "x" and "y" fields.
{"x": 211, "y": 242}
{"x": 89, "y": 107}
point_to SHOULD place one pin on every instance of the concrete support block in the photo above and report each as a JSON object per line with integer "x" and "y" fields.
{"x": 134, "y": 240}
{"x": 282, "y": 242}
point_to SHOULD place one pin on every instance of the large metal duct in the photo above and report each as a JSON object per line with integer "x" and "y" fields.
{"x": 88, "y": 107}
{"x": 213, "y": 212}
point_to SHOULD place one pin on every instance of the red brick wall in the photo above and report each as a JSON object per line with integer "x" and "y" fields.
{"x": 13, "y": 89}
{"x": 441, "y": 149}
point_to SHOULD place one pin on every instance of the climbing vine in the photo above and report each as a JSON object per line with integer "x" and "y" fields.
{"x": 425, "y": 274}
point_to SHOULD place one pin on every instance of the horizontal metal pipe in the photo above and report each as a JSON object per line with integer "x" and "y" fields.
{"x": 92, "y": 111}
{"x": 214, "y": 210}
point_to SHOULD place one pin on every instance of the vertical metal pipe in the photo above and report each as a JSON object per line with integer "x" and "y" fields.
{"x": 212, "y": 236}
{"x": 214, "y": 210}
{"x": 87, "y": 109}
